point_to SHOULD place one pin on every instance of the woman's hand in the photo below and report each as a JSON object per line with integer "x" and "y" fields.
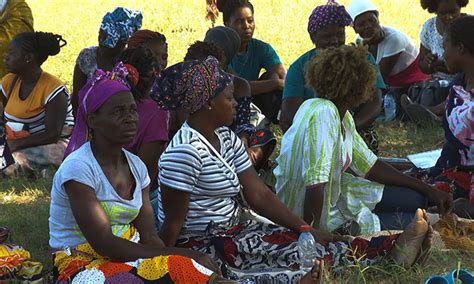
{"x": 12, "y": 145}
{"x": 429, "y": 59}
{"x": 204, "y": 260}
{"x": 325, "y": 237}
{"x": 442, "y": 200}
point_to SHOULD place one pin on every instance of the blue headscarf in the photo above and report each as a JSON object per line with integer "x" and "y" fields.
{"x": 119, "y": 25}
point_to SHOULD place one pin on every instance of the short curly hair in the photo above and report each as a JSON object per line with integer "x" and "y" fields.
{"x": 432, "y": 5}
{"x": 200, "y": 50}
{"x": 342, "y": 75}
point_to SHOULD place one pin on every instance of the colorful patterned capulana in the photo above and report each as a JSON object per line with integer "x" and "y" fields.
{"x": 119, "y": 25}
{"x": 329, "y": 14}
{"x": 190, "y": 84}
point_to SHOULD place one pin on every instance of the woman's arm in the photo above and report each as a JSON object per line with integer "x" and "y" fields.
{"x": 95, "y": 227}
{"x": 265, "y": 202}
{"x": 144, "y": 222}
{"x": 426, "y": 58}
{"x": 369, "y": 111}
{"x": 79, "y": 79}
{"x": 313, "y": 203}
{"x": 265, "y": 86}
{"x": 175, "y": 207}
{"x": 280, "y": 70}
{"x": 386, "y": 65}
{"x": 56, "y": 111}
{"x": 150, "y": 154}
{"x": 383, "y": 173}
{"x": 289, "y": 107}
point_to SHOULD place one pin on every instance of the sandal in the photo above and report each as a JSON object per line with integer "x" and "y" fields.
{"x": 421, "y": 115}
{"x": 462, "y": 275}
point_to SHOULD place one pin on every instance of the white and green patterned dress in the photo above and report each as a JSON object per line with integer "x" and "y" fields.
{"x": 316, "y": 150}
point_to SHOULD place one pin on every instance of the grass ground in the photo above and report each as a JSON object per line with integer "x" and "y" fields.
{"x": 24, "y": 204}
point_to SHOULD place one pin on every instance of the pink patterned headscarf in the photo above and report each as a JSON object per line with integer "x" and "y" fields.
{"x": 92, "y": 96}
{"x": 329, "y": 14}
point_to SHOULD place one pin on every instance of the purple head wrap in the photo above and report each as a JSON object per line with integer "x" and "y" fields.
{"x": 92, "y": 96}
{"x": 190, "y": 84}
{"x": 329, "y": 14}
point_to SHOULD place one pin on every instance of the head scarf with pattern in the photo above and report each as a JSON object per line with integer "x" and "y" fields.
{"x": 119, "y": 25}
{"x": 190, "y": 84}
{"x": 92, "y": 96}
{"x": 329, "y": 14}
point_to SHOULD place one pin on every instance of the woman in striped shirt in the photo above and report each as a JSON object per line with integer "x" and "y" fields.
{"x": 38, "y": 111}
{"x": 203, "y": 173}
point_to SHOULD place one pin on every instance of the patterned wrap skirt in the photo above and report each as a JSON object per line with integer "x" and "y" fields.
{"x": 83, "y": 265}
{"x": 267, "y": 253}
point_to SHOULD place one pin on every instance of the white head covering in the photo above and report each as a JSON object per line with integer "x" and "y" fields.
{"x": 358, "y": 7}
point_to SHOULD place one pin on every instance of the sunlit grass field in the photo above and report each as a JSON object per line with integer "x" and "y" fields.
{"x": 24, "y": 204}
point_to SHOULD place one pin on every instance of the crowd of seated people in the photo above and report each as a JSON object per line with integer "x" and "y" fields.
{"x": 159, "y": 168}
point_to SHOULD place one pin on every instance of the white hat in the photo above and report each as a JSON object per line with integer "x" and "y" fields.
{"x": 358, "y": 7}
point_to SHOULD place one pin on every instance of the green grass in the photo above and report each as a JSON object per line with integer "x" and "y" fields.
{"x": 24, "y": 204}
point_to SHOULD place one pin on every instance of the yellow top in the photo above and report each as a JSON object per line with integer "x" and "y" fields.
{"x": 32, "y": 111}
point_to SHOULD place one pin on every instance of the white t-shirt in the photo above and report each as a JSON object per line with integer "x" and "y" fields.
{"x": 81, "y": 166}
{"x": 188, "y": 165}
{"x": 397, "y": 42}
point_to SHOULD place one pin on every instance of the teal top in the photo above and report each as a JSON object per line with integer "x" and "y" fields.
{"x": 295, "y": 86}
{"x": 259, "y": 55}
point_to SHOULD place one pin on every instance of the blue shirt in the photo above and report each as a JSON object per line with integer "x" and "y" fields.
{"x": 295, "y": 86}
{"x": 258, "y": 55}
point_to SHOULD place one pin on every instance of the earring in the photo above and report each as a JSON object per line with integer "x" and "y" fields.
{"x": 209, "y": 108}
{"x": 27, "y": 61}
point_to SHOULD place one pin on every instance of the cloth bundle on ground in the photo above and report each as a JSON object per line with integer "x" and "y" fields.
{"x": 15, "y": 261}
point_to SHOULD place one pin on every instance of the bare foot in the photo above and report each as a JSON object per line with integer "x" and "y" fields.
{"x": 409, "y": 243}
{"x": 427, "y": 242}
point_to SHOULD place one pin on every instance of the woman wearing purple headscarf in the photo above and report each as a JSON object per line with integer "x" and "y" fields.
{"x": 326, "y": 28}
{"x": 115, "y": 29}
{"x": 206, "y": 181}
{"x": 101, "y": 220}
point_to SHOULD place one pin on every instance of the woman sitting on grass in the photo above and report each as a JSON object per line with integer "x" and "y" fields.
{"x": 155, "y": 41}
{"x": 432, "y": 59}
{"x": 253, "y": 56}
{"x": 101, "y": 220}
{"x": 322, "y": 146}
{"x": 394, "y": 52}
{"x": 431, "y": 36}
{"x": 205, "y": 169}
{"x": 116, "y": 28}
{"x": 38, "y": 109}
{"x": 326, "y": 28}
{"x": 152, "y": 130}
{"x": 454, "y": 170}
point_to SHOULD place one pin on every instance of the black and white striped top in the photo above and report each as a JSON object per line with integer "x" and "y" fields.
{"x": 189, "y": 165}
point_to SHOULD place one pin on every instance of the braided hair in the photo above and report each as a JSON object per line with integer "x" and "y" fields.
{"x": 200, "y": 50}
{"x": 228, "y": 7}
{"x": 143, "y": 36}
{"x": 40, "y": 44}
{"x": 145, "y": 63}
